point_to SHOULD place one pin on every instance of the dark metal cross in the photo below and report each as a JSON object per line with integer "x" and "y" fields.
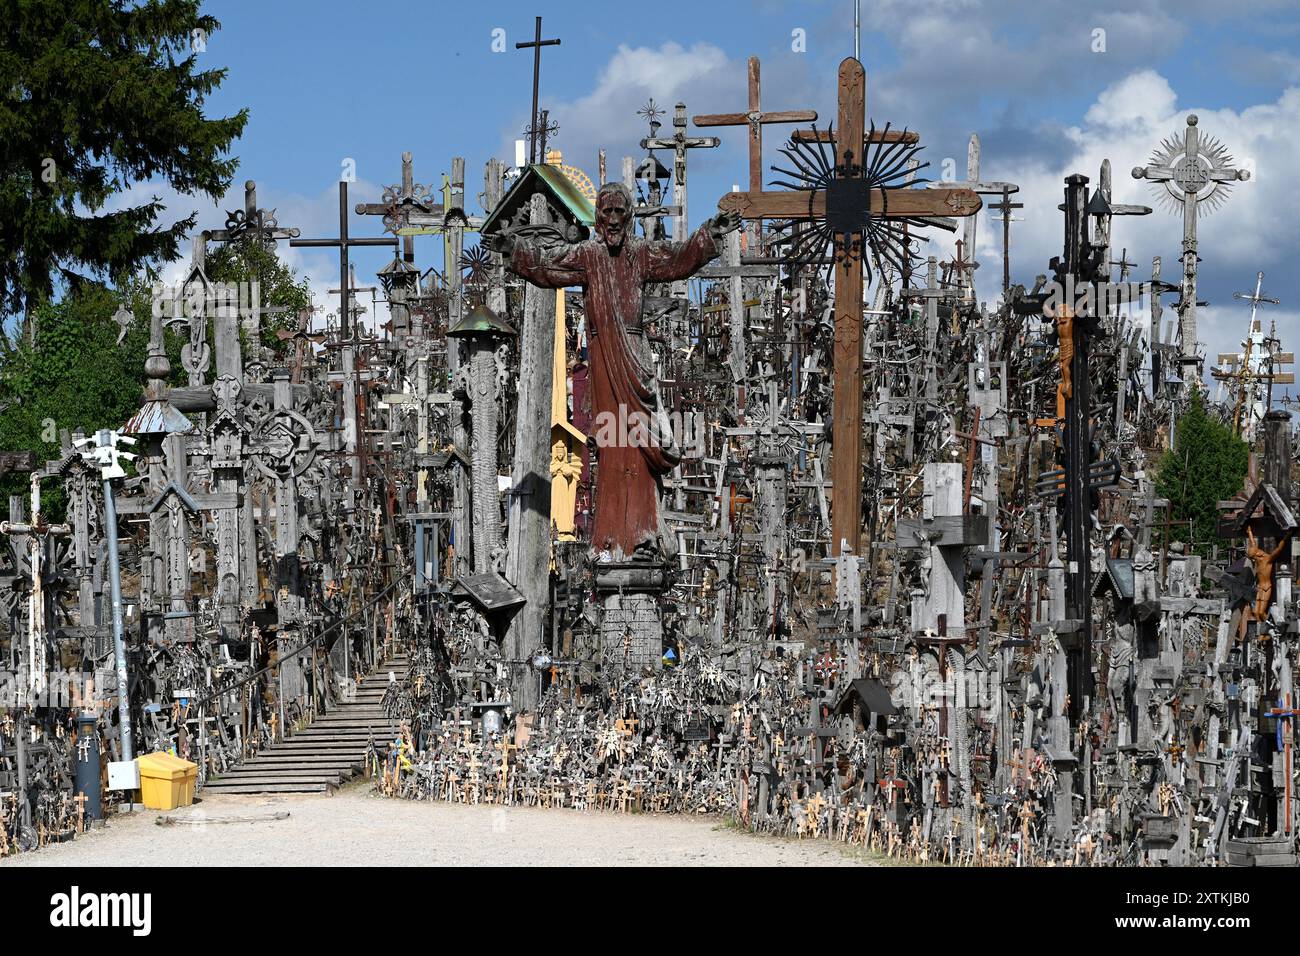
{"x": 1081, "y": 265}
{"x": 343, "y": 243}
{"x": 1005, "y": 207}
{"x": 536, "y": 45}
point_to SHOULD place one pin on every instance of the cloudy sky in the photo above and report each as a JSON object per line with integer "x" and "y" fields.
{"x": 1051, "y": 87}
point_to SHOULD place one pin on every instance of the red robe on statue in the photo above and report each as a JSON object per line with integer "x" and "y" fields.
{"x": 635, "y": 446}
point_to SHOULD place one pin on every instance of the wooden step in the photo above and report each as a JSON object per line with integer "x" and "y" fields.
{"x": 281, "y": 776}
{"x": 343, "y": 767}
{"x": 351, "y": 726}
{"x": 271, "y": 786}
{"x": 277, "y": 756}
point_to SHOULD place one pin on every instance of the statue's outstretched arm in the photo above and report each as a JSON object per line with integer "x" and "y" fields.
{"x": 670, "y": 261}
{"x": 549, "y": 270}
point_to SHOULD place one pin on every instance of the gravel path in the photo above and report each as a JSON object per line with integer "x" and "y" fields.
{"x": 354, "y": 827}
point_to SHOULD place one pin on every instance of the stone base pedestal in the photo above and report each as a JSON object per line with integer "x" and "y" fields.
{"x": 631, "y": 627}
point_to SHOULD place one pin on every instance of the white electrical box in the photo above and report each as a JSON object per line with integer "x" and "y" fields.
{"x": 123, "y": 775}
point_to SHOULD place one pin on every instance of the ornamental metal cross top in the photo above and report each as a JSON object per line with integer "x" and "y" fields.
{"x": 410, "y": 204}
{"x": 536, "y": 45}
{"x": 250, "y": 222}
{"x": 846, "y": 203}
{"x": 1197, "y": 175}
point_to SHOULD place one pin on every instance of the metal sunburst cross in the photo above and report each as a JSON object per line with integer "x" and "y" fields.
{"x": 845, "y": 192}
{"x": 849, "y": 207}
{"x": 1192, "y": 174}
{"x": 652, "y": 114}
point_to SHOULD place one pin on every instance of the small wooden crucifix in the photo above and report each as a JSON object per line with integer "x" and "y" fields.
{"x": 845, "y": 203}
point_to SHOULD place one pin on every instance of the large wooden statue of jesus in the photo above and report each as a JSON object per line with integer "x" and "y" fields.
{"x": 634, "y": 440}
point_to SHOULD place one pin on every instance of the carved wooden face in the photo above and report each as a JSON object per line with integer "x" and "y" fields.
{"x": 612, "y": 214}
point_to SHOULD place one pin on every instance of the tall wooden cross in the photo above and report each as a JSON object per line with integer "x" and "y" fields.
{"x": 847, "y": 207}
{"x": 973, "y": 182}
{"x": 679, "y": 143}
{"x": 536, "y": 45}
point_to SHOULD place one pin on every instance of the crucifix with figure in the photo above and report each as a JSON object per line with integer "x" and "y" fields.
{"x": 845, "y": 203}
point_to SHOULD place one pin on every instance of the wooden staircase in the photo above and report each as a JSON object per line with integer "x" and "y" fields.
{"x": 327, "y": 752}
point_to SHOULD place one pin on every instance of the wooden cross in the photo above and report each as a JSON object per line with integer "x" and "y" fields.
{"x": 755, "y": 119}
{"x": 848, "y": 208}
{"x": 972, "y": 182}
{"x": 407, "y": 205}
{"x": 679, "y": 143}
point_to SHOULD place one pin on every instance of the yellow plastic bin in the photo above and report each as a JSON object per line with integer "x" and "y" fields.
{"x": 166, "y": 782}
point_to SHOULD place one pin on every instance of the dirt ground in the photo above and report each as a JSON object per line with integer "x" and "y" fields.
{"x": 354, "y": 827}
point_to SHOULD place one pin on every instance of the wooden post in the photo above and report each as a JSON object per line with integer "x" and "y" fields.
{"x": 529, "y": 542}
{"x": 846, "y": 464}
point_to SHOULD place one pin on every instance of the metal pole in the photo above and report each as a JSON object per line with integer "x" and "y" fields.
{"x": 119, "y": 645}
{"x": 857, "y": 29}
{"x": 345, "y": 280}
{"x": 537, "y": 75}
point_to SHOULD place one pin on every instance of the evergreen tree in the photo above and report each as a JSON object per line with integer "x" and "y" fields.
{"x": 99, "y": 95}
{"x": 1205, "y": 466}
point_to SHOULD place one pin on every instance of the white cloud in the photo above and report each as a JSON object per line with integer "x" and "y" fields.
{"x": 607, "y": 116}
{"x": 1143, "y": 98}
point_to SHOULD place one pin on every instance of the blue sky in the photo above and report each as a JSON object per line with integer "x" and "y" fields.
{"x": 328, "y": 80}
